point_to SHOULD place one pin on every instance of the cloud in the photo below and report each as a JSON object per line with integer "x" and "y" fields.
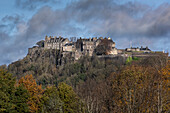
{"x": 45, "y": 22}
{"x": 32, "y": 4}
{"x": 14, "y": 19}
{"x": 126, "y": 22}
{"x": 134, "y": 21}
{"x": 8, "y": 23}
{"x": 130, "y": 19}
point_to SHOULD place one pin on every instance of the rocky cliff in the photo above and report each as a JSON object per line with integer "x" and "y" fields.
{"x": 40, "y": 63}
{"x": 52, "y": 66}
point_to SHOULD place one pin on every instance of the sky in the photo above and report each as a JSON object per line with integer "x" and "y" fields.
{"x": 24, "y": 22}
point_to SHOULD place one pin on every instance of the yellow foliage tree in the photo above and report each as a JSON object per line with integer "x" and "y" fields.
{"x": 141, "y": 89}
{"x": 164, "y": 89}
{"x": 35, "y": 92}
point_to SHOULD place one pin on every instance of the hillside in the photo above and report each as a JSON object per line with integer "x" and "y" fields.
{"x": 84, "y": 56}
{"x": 100, "y": 81}
{"x": 48, "y": 66}
{"x": 104, "y": 84}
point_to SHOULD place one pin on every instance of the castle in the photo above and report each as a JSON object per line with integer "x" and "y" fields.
{"x": 102, "y": 47}
{"x": 81, "y": 46}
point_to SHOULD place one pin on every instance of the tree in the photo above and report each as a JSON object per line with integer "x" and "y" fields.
{"x": 141, "y": 89}
{"x": 35, "y": 92}
{"x": 7, "y": 90}
{"x": 13, "y": 98}
{"x": 163, "y": 89}
{"x": 128, "y": 60}
{"x": 104, "y": 47}
{"x": 134, "y": 89}
{"x": 20, "y": 100}
{"x": 51, "y": 101}
{"x": 40, "y": 43}
{"x": 71, "y": 102}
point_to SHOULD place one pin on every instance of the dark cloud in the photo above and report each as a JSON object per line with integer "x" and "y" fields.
{"x": 130, "y": 19}
{"x": 32, "y": 4}
{"x": 127, "y": 22}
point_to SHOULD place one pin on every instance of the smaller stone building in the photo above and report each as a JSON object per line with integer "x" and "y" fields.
{"x": 55, "y": 43}
{"x": 137, "y": 49}
{"x": 145, "y": 50}
{"x": 132, "y": 49}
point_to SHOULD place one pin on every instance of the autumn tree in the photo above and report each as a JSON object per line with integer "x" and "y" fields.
{"x": 141, "y": 89}
{"x": 35, "y": 92}
{"x": 161, "y": 67}
{"x": 163, "y": 90}
{"x": 104, "y": 47}
{"x": 129, "y": 89}
{"x": 96, "y": 95}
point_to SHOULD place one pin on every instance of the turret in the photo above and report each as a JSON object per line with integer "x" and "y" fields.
{"x": 147, "y": 47}
{"x": 46, "y": 38}
{"x": 90, "y": 39}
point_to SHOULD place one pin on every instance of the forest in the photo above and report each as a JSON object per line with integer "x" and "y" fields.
{"x": 90, "y": 85}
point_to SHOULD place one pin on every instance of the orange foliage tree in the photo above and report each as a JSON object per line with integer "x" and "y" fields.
{"x": 35, "y": 92}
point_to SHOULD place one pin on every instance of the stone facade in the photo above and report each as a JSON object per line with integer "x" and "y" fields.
{"x": 68, "y": 47}
{"x": 86, "y": 46}
{"x": 102, "y": 47}
{"x": 55, "y": 43}
{"x": 77, "y": 48}
{"x": 133, "y": 49}
{"x": 80, "y": 47}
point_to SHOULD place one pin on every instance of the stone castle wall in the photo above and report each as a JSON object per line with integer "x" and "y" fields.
{"x": 82, "y": 47}
{"x": 79, "y": 48}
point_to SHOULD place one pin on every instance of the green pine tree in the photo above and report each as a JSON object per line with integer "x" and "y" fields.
{"x": 71, "y": 102}
{"x": 51, "y": 101}
{"x": 7, "y": 90}
{"x": 20, "y": 100}
{"x": 13, "y": 99}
